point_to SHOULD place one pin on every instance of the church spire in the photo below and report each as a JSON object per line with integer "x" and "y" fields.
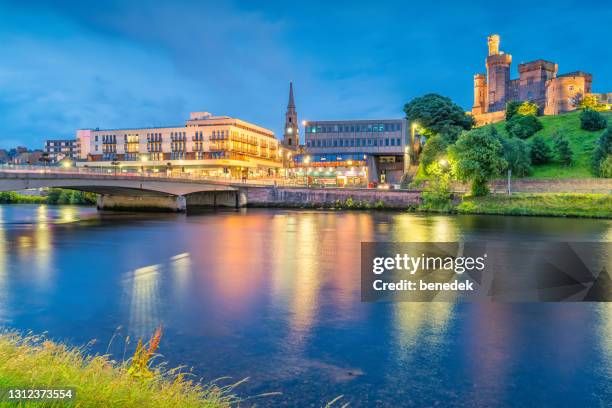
{"x": 291, "y": 104}
{"x": 291, "y": 132}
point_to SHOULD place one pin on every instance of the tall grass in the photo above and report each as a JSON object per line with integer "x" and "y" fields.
{"x": 33, "y": 361}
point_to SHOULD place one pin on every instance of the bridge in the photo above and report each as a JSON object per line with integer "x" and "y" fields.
{"x": 160, "y": 191}
{"x": 134, "y": 190}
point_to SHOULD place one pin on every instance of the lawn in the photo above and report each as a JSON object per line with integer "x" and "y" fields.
{"x": 581, "y": 141}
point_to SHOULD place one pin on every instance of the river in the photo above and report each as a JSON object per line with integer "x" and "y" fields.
{"x": 274, "y": 295}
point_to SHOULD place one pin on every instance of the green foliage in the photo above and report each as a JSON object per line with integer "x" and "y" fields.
{"x": 564, "y": 151}
{"x": 437, "y": 195}
{"x": 528, "y": 108}
{"x": 512, "y": 109}
{"x": 522, "y": 126}
{"x": 517, "y": 154}
{"x": 437, "y": 114}
{"x": 540, "y": 151}
{"x": 605, "y": 169}
{"x": 433, "y": 150}
{"x": 478, "y": 156}
{"x": 54, "y": 196}
{"x": 603, "y": 150}
{"x": 591, "y": 102}
{"x": 592, "y": 120}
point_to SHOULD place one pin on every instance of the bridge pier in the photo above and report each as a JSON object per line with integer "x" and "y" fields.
{"x": 141, "y": 203}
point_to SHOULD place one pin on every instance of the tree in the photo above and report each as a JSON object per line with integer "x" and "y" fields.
{"x": 437, "y": 195}
{"x": 603, "y": 149}
{"x": 540, "y": 151}
{"x": 437, "y": 114}
{"x": 523, "y": 126}
{"x": 433, "y": 150}
{"x": 479, "y": 157}
{"x": 528, "y": 108}
{"x": 605, "y": 169}
{"x": 592, "y": 120}
{"x": 591, "y": 102}
{"x": 564, "y": 151}
{"x": 512, "y": 109}
{"x": 516, "y": 153}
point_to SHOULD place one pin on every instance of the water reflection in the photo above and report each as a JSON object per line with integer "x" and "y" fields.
{"x": 141, "y": 287}
{"x": 275, "y": 296}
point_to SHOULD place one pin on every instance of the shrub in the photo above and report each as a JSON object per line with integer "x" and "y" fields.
{"x": 516, "y": 153}
{"x": 527, "y": 108}
{"x": 564, "y": 151}
{"x": 540, "y": 151}
{"x": 522, "y": 126}
{"x": 603, "y": 149}
{"x": 512, "y": 109}
{"x": 437, "y": 195}
{"x": 592, "y": 120}
{"x": 605, "y": 169}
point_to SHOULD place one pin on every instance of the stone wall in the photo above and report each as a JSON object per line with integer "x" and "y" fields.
{"x": 305, "y": 197}
{"x": 590, "y": 186}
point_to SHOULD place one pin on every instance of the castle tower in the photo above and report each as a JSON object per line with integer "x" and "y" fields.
{"x": 498, "y": 75}
{"x": 480, "y": 94}
{"x": 291, "y": 132}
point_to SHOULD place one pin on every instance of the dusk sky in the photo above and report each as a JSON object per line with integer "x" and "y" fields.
{"x": 111, "y": 64}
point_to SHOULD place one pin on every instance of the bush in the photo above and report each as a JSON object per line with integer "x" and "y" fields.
{"x": 512, "y": 109}
{"x": 603, "y": 149}
{"x": 516, "y": 153}
{"x": 528, "y": 108}
{"x": 605, "y": 169}
{"x": 522, "y": 126}
{"x": 564, "y": 151}
{"x": 437, "y": 195}
{"x": 592, "y": 120}
{"x": 540, "y": 151}
{"x": 591, "y": 102}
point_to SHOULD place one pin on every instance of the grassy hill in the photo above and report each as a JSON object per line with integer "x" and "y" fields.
{"x": 581, "y": 141}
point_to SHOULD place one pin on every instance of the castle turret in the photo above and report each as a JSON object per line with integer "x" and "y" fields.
{"x": 480, "y": 94}
{"x": 493, "y": 42}
{"x": 498, "y": 75}
{"x": 291, "y": 132}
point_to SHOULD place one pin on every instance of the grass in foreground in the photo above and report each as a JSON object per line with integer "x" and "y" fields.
{"x": 33, "y": 361}
{"x": 564, "y": 205}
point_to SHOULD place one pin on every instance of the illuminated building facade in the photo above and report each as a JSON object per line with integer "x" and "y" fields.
{"x": 355, "y": 151}
{"x": 205, "y": 145}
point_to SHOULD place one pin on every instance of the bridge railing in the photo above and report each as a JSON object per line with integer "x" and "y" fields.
{"x": 119, "y": 173}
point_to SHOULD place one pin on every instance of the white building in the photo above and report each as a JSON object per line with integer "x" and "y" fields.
{"x": 206, "y": 144}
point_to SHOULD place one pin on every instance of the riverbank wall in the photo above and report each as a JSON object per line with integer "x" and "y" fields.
{"x": 330, "y": 197}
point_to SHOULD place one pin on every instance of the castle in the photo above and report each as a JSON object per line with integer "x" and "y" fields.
{"x": 538, "y": 82}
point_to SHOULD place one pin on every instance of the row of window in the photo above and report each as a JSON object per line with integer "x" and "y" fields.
{"x": 374, "y": 142}
{"x": 377, "y": 127}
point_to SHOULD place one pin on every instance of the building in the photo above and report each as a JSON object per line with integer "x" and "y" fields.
{"x": 59, "y": 149}
{"x": 206, "y": 145}
{"x": 291, "y": 130}
{"x": 355, "y": 151}
{"x": 538, "y": 82}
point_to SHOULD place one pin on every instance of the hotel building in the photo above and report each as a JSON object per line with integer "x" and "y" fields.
{"x": 353, "y": 152}
{"x": 206, "y": 145}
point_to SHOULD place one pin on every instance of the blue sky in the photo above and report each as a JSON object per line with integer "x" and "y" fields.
{"x": 74, "y": 64}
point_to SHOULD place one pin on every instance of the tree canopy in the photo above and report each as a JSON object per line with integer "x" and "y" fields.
{"x": 437, "y": 114}
{"x": 479, "y": 157}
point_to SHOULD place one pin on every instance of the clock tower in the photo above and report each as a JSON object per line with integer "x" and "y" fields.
{"x": 291, "y": 131}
